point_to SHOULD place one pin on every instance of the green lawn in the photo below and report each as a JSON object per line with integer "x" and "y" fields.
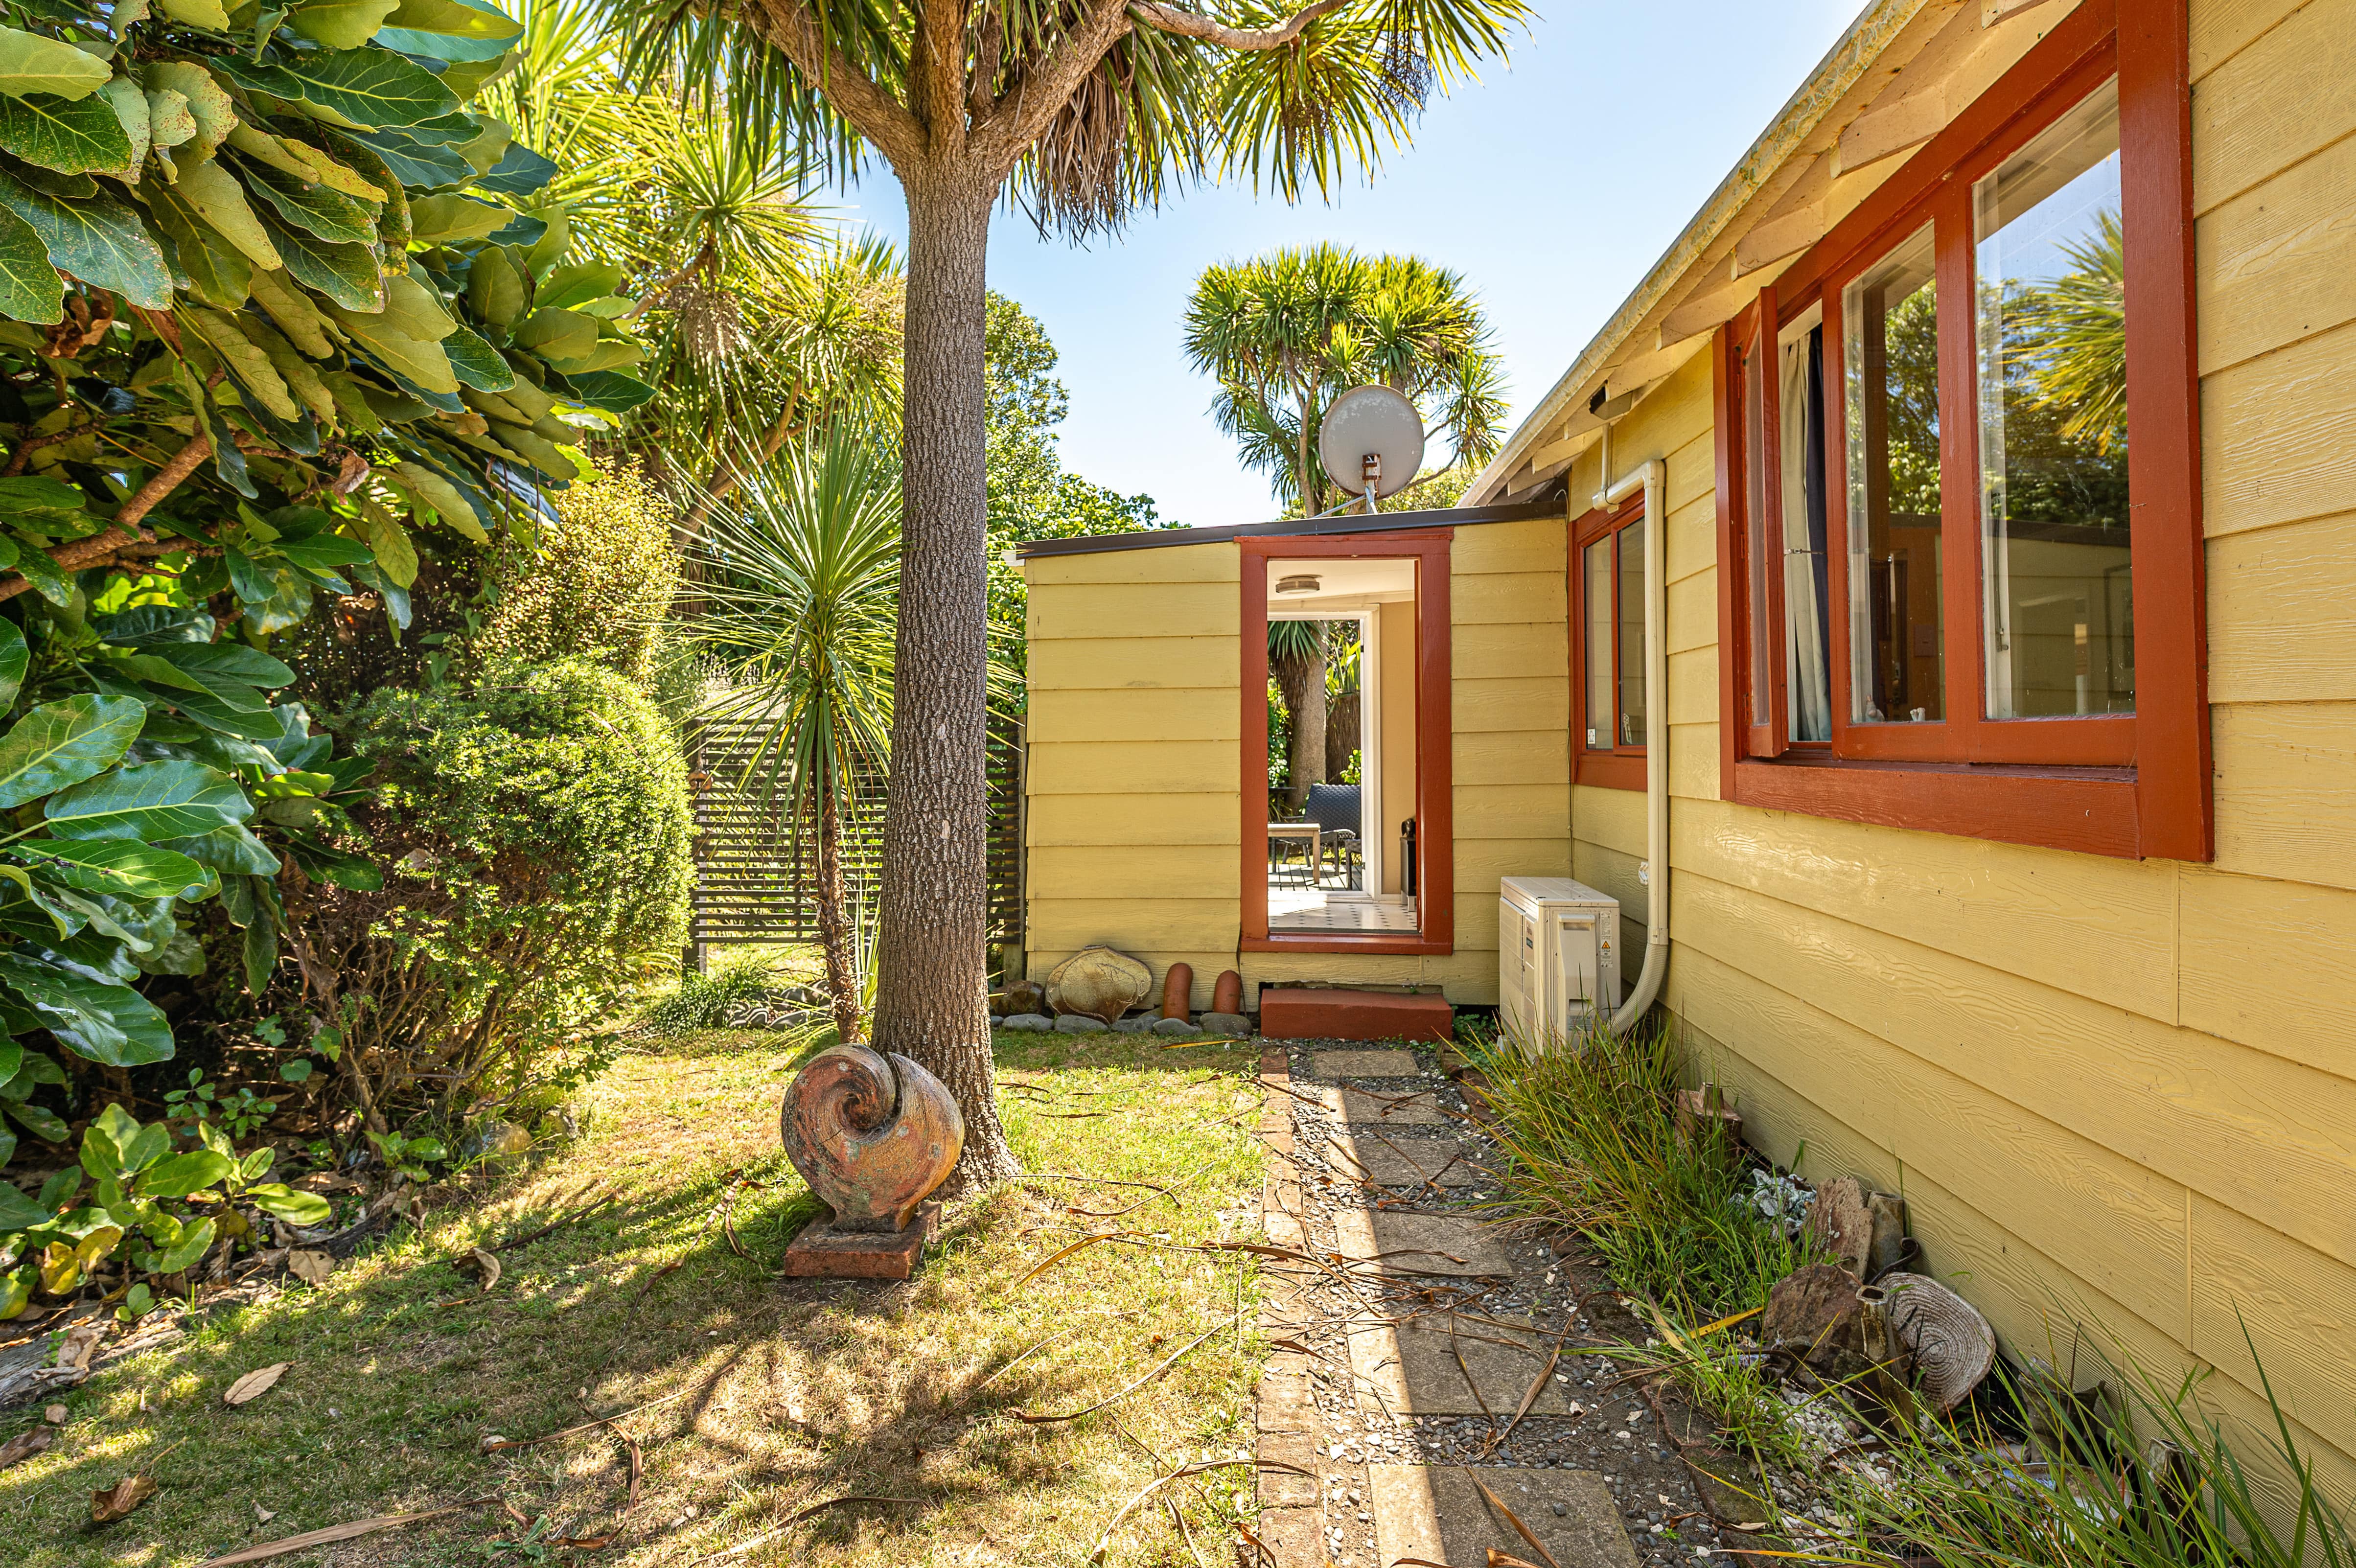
{"x": 780, "y": 1394}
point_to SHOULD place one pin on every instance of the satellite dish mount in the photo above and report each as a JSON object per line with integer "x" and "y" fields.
{"x": 1371, "y": 442}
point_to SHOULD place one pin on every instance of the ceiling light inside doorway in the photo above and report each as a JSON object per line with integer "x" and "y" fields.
{"x": 1300, "y": 583}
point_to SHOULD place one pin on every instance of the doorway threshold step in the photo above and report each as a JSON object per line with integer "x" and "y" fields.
{"x": 1303, "y": 1013}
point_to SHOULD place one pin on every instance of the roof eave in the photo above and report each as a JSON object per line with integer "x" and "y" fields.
{"x": 1844, "y": 65}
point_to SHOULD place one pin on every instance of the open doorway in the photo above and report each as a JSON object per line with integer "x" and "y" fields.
{"x": 1342, "y": 794}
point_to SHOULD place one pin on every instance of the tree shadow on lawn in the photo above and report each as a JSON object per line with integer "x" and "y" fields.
{"x": 778, "y": 1394}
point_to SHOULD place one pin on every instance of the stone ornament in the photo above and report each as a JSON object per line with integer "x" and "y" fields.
{"x": 872, "y": 1133}
{"x": 1098, "y": 983}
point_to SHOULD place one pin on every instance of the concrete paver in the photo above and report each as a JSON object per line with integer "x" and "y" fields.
{"x": 1438, "y": 1514}
{"x": 1355, "y": 1105}
{"x": 1419, "y": 1367}
{"x": 1404, "y": 1162}
{"x": 1363, "y": 1064}
{"x": 1420, "y": 1243}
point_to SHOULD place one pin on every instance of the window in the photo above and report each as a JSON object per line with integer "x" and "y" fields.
{"x": 1607, "y": 553}
{"x": 1959, "y": 500}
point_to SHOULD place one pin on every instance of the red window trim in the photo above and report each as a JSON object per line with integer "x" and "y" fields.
{"x": 2130, "y": 787}
{"x": 1434, "y": 726}
{"x": 1618, "y": 767}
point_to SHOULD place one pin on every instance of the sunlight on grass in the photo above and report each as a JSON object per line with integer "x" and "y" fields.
{"x": 789, "y": 1393}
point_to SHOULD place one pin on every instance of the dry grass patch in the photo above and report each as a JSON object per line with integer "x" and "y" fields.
{"x": 778, "y": 1395}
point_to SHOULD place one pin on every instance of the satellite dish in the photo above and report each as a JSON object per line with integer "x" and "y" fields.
{"x": 1371, "y": 432}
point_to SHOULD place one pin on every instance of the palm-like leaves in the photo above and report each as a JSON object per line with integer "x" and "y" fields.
{"x": 800, "y": 599}
{"x": 2072, "y": 337}
{"x": 1288, "y": 332}
{"x": 801, "y": 581}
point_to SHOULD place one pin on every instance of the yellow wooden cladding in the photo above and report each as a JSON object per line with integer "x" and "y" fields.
{"x": 1134, "y": 811}
{"x": 2282, "y": 610}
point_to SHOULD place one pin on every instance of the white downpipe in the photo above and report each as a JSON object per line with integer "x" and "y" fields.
{"x": 1653, "y": 477}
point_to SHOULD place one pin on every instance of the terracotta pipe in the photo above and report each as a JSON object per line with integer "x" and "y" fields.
{"x": 1227, "y": 997}
{"x": 1177, "y": 990}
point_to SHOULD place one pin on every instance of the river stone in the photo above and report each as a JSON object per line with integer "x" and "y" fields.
{"x": 1226, "y": 1023}
{"x": 1081, "y": 1023}
{"x": 1030, "y": 1022}
{"x": 1137, "y": 1026}
{"x": 1100, "y": 984}
{"x": 1174, "y": 1026}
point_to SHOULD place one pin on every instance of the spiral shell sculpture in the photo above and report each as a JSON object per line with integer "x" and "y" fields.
{"x": 872, "y": 1133}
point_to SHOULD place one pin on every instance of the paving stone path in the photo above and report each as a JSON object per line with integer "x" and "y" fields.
{"x": 1425, "y": 1386}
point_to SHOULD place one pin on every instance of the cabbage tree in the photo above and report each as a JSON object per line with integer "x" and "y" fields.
{"x": 1084, "y": 112}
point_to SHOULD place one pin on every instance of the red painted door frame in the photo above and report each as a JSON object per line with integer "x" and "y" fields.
{"x": 1434, "y": 730}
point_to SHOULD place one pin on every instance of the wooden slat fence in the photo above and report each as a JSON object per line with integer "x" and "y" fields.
{"x": 754, "y": 877}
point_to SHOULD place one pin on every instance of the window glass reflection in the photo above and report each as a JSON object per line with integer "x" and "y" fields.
{"x": 1889, "y": 318}
{"x": 2050, "y": 323}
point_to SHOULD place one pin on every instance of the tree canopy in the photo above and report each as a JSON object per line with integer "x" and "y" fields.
{"x": 1287, "y": 333}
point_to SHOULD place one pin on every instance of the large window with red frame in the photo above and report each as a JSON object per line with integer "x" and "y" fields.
{"x": 1936, "y": 436}
{"x": 1959, "y": 488}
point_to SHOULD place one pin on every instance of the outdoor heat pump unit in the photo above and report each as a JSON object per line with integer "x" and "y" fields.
{"x": 1558, "y": 955}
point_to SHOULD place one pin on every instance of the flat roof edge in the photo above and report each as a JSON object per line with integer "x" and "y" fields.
{"x": 1549, "y": 505}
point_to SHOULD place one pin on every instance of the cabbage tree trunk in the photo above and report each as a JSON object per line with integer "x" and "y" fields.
{"x": 931, "y": 1002}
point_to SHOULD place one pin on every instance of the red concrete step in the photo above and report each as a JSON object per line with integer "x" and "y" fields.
{"x": 1288, "y": 1013}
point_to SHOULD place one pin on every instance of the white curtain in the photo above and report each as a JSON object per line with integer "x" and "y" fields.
{"x": 1804, "y": 611}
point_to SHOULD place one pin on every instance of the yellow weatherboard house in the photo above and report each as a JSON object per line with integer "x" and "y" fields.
{"x": 1934, "y": 583}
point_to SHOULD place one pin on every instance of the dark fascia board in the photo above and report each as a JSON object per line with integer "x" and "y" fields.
{"x": 1550, "y": 504}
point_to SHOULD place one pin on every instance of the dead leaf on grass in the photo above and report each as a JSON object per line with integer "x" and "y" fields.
{"x": 490, "y": 1266}
{"x": 254, "y": 1384}
{"x": 120, "y": 1499}
{"x": 333, "y": 1533}
{"x": 310, "y": 1265}
{"x": 24, "y": 1445}
{"x": 54, "y": 1415}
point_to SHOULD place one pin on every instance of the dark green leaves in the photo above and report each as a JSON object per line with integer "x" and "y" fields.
{"x": 347, "y": 273}
{"x": 60, "y": 744}
{"x": 30, "y": 289}
{"x": 519, "y": 172}
{"x": 124, "y": 868}
{"x": 476, "y": 363}
{"x": 98, "y": 240}
{"x": 314, "y": 209}
{"x": 415, "y": 162}
{"x": 608, "y": 390}
{"x": 148, "y": 800}
{"x": 112, "y": 1025}
{"x": 73, "y": 136}
{"x": 14, "y": 657}
{"x": 233, "y": 850}
{"x": 367, "y": 86}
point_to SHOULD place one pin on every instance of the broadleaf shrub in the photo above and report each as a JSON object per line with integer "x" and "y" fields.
{"x": 533, "y": 823}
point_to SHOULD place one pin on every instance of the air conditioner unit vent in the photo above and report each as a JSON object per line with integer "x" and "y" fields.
{"x": 1558, "y": 955}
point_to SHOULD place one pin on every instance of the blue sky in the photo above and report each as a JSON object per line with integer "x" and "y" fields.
{"x": 1553, "y": 184}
